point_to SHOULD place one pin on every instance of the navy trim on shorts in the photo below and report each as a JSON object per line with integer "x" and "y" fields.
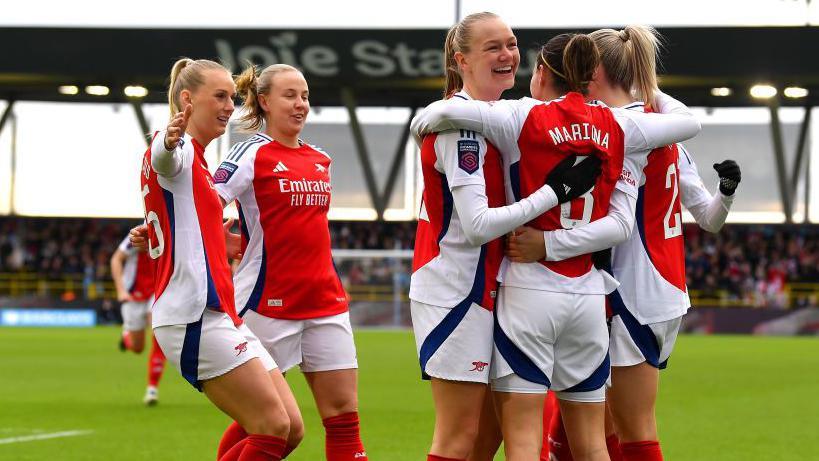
{"x": 642, "y": 335}
{"x": 522, "y": 365}
{"x": 189, "y": 361}
{"x": 596, "y": 380}
{"x": 453, "y": 318}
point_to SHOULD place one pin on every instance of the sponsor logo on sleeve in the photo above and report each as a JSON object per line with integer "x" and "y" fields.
{"x": 468, "y": 150}
{"x": 224, "y": 172}
{"x": 626, "y": 177}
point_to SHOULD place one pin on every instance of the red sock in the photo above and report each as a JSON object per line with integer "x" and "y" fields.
{"x": 558, "y": 442}
{"x": 549, "y": 409}
{"x": 343, "y": 441}
{"x": 233, "y": 453}
{"x": 259, "y": 447}
{"x": 432, "y": 457}
{"x": 126, "y": 339}
{"x": 613, "y": 446}
{"x": 156, "y": 364}
{"x": 232, "y": 435}
{"x": 648, "y": 450}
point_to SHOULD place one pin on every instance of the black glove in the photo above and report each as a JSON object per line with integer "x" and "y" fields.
{"x": 729, "y": 176}
{"x": 570, "y": 181}
{"x": 602, "y": 259}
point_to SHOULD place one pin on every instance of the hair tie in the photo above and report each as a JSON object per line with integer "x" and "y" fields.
{"x": 546, "y": 63}
{"x": 624, "y": 35}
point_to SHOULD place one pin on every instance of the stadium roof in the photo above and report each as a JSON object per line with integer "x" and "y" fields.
{"x": 379, "y": 67}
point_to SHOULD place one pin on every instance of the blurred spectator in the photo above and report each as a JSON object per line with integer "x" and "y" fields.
{"x": 746, "y": 264}
{"x": 751, "y": 264}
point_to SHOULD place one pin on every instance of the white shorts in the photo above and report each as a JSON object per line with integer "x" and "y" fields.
{"x": 453, "y": 343}
{"x": 633, "y": 343}
{"x": 210, "y": 347}
{"x": 551, "y": 340}
{"x": 319, "y": 344}
{"x": 135, "y": 315}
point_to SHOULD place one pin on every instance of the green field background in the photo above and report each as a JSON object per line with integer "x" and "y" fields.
{"x": 722, "y": 398}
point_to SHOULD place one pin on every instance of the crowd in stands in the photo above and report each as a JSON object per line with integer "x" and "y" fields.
{"x": 749, "y": 264}
{"x": 753, "y": 264}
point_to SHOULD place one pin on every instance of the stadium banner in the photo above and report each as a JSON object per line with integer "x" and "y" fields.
{"x": 48, "y": 317}
{"x": 407, "y": 62}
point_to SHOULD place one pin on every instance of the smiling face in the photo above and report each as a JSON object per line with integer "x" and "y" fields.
{"x": 286, "y": 105}
{"x": 489, "y": 66}
{"x": 212, "y": 104}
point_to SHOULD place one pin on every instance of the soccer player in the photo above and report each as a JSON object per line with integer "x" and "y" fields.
{"x": 650, "y": 266}
{"x": 193, "y": 317}
{"x": 133, "y": 278}
{"x": 565, "y": 346}
{"x": 300, "y": 313}
{"x": 457, "y": 249}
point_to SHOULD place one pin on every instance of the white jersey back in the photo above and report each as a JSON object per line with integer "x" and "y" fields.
{"x": 650, "y": 266}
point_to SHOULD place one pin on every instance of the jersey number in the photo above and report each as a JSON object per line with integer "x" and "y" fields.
{"x": 672, "y": 183}
{"x": 152, "y": 219}
{"x": 566, "y": 211}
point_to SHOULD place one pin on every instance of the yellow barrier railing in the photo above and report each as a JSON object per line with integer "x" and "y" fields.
{"x": 792, "y": 295}
{"x": 73, "y": 286}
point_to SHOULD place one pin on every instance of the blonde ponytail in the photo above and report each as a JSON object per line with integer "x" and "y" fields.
{"x": 457, "y": 40}
{"x": 629, "y": 57}
{"x": 249, "y": 86}
{"x": 187, "y": 74}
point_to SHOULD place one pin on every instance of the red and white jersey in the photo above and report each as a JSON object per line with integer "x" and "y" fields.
{"x": 650, "y": 266}
{"x": 137, "y": 272}
{"x": 186, "y": 239}
{"x": 283, "y": 196}
{"x": 536, "y": 136}
{"x": 447, "y": 269}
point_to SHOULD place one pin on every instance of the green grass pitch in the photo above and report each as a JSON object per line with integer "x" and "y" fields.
{"x": 722, "y": 398}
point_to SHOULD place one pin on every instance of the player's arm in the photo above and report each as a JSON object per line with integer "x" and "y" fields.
{"x": 530, "y": 245}
{"x": 673, "y": 122}
{"x": 481, "y": 223}
{"x": 117, "y": 265}
{"x": 710, "y": 211}
{"x": 498, "y": 121}
{"x": 167, "y": 157}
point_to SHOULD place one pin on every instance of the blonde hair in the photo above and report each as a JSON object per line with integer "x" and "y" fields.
{"x": 249, "y": 86}
{"x": 572, "y": 59}
{"x": 629, "y": 57}
{"x": 188, "y": 74}
{"x": 457, "y": 40}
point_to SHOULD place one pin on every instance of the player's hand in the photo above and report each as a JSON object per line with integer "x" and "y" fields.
{"x": 124, "y": 297}
{"x": 526, "y": 245}
{"x": 729, "y": 176}
{"x": 177, "y": 127}
{"x": 233, "y": 242}
{"x": 570, "y": 180}
{"x": 138, "y": 236}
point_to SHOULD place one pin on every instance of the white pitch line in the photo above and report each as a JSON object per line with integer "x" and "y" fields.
{"x": 53, "y": 435}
